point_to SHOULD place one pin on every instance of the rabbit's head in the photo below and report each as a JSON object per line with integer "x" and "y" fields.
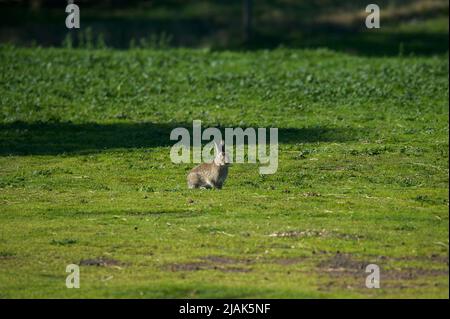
{"x": 222, "y": 158}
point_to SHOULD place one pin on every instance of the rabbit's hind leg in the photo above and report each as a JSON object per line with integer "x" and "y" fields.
{"x": 207, "y": 185}
{"x": 193, "y": 181}
{"x": 191, "y": 186}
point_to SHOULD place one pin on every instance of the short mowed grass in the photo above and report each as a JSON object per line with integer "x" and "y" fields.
{"x": 86, "y": 177}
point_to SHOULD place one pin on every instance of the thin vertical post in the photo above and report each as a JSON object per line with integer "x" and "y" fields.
{"x": 247, "y": 20}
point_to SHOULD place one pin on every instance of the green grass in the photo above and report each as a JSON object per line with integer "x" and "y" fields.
{"x": 85, "y": 174}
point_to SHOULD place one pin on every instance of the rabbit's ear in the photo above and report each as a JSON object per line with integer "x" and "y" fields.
{"x": 217, "y": 148}
{"x": 222, "y": 146}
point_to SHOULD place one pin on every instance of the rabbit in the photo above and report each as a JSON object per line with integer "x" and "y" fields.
{"x": 210, "y": 175}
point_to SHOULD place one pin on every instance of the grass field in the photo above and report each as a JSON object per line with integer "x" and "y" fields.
{"x": 86, "y": 178}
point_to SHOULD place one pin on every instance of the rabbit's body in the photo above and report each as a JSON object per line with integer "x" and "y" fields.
{"x": 210, "y": 175}
{"x": 207, "y": 175}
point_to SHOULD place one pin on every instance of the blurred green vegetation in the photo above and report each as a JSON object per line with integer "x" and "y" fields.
{"x": 407, "y": 27}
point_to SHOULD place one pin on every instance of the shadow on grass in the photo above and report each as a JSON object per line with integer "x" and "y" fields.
{"x": 194, "y": 34}
{"x": 54, "y": 213}
{"x": 362, "y": 43}
{"x": 20, "y": 138}
{"x": 334, "y": 24}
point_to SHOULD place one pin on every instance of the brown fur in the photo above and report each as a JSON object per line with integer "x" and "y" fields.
{"x": 210, "y": 175}
{"x": 207, "y": 175}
